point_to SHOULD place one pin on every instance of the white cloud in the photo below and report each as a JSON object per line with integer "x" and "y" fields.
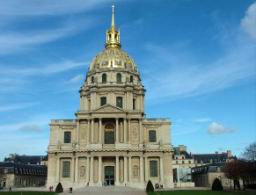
{"x": 248, "y": 23}
{"x": 217, "y": 128}
{"x": 52, "y": 68}
{"x": 202, "y": 120}
{"x": 47, "y": 7}
{"x": 11, "y": 42}
{"x": 183, "y": 78}
{"x": 30, "y": 128}
{"x": 16, "y": 106}
{"x": 76, "y": 79}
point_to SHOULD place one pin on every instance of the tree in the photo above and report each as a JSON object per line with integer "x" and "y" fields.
{"x": 235, "y": 170}
{"x": 241, "y": 169}
{"x": 59, "y": 188}
{"x": 217, "y": 185}
{"x": 150, "y": 187}
{"x": 250, "y": 152}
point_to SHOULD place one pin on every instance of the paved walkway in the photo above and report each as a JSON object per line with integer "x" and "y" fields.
{"x": 107, "y": 191}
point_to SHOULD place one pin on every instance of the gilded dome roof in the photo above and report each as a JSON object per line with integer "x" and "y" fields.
{"x": 113, "y": 58}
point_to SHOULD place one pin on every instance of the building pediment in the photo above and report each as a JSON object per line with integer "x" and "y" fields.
{"x": 108, "y": 108}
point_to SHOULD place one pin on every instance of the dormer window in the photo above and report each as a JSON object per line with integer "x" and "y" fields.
{"x": 118, "y": 78}
{"x": 103, "y": 101}
{"x": 131, "y": 79}
{"x": 119, "y": 102}
{"x": 104, "y": 78}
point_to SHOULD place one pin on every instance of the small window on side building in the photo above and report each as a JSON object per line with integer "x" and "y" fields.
{"x": 152, "y": 136}
{"x": 67, "y": 137}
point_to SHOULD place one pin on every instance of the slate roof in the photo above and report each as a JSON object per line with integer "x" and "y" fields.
{"x": 23, "y": 169}
{"x": 208, "y": 158}
{"x": 24, "y": 159}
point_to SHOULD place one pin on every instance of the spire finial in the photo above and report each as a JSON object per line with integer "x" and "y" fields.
{"x": 112, "y": 35}
{"x": 113, "y": 16}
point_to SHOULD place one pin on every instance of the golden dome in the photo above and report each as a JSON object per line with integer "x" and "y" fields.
{"x": 113, "y": 56}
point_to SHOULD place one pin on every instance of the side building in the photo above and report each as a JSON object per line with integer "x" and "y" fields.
{"x": 189, "y": 169}
{"x": 22, "y": 171}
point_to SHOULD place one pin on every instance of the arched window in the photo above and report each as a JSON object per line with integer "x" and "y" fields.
{"x": 92, "y": 79}
{"x": 118, "y": 78}
{"x": 109, "y": 134}
{"x": 104, "y": 78}
{"x": 131, "y": 79}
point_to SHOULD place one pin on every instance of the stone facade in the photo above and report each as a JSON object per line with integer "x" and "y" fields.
{"x": 110, "y": 142}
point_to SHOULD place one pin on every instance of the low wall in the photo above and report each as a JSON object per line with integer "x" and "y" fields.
{"x": 184, "y": 184}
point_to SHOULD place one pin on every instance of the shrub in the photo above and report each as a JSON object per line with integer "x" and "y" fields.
{"x": 59, "y": 188}
{"x": 150, "y": 187}
{"x": 217, "y": 186}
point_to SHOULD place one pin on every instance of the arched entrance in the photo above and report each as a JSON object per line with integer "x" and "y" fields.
{"x": 109, "y": 175}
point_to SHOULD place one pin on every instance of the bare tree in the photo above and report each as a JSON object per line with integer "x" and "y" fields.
{"x": 250, "y": 152}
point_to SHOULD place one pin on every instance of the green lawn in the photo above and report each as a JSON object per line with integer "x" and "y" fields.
{"x": 202, "y": 192}
{"x": 27, "y": 193}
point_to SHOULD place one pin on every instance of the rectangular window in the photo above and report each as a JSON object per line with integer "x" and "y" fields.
{"x": 103, "y": 101}
{"x": 67, "y": 137}
{"x": 152, "y": 136}
{"x": 119, "y": 102}
{"x": 134, "y": 104}
{"x": 66, "y": 169}
{"x": 153, "y": 168}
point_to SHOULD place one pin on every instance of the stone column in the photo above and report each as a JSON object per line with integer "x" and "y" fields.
{"x": 76, "y": 169}
{"x": 100, "y": 131}
{"x": 78, "y": 133}
{"x": 88, "y": 131}
{"x": 58, "y": 170}
{"x": 125, "y": 170}
{"x": 92, "y": 131}
{"x": 117, "y": 170}
{"x": 117, "y": 131}
{"x": 100, "y": 171}
{"x": 91, "y": 171}
{"x": 130, "y": 169}
{"x": 129, "y": 130}
{"x": 125, "y": 131}
{"x": 87, "y": 169}
{"x": 141, "y": 170}
{"x": 161, "y": 170}
{"x": 141, "y": 131}
{"x": 73, "y": 168}
{"x": 146, "y": 169}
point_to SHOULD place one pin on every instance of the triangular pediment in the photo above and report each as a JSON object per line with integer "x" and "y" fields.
{"x": 109, "y": 108}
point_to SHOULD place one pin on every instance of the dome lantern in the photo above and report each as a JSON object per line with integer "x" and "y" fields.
{"x": 112, "y": 35}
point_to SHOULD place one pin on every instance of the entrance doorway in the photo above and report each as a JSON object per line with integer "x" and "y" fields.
{"x": 109, "y": 176}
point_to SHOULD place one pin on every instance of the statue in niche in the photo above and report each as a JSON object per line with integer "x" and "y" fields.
{"x": 82, "y": 171}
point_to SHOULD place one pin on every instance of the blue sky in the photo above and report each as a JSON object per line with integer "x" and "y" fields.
{"x": 197, "y": 60}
